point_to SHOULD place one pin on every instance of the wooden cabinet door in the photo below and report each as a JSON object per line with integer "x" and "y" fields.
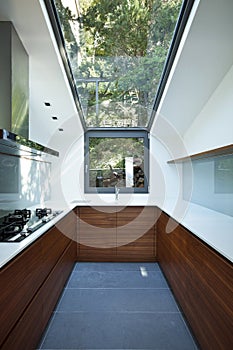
{"x": 97, "y": 233}
{"x": 116, "y": 234}
{"x": 136, "y": 234}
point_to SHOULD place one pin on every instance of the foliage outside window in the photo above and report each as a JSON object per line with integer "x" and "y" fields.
{"x": 116, "y": 159}
{"x": 117, "y": 50}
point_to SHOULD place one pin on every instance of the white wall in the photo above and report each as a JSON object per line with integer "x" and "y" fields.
{"x": 213, "y": 127}
{"x": 68, "y": 172}
{"x": 67, "y": 169}
{"x": 166, "y": 179}
{"x": 204, "y": 60}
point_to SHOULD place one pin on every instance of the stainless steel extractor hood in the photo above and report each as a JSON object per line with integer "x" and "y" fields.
{"x": 11, "y": 143}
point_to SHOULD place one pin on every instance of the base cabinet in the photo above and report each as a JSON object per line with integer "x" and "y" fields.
{"x": 136, "y": 234}
{"x": 201, "y": 279}
{"x": 96, "y": 233}
{"x": 32, "y": 284}
{"x": 202, "y": 282}
{"x": 116, "y": 234}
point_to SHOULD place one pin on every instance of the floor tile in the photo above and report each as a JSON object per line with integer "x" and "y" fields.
{"x": 116, "y": 279}
{"x": 150, "y": 300}
{"x": 92, "y": 266}
{"x": 100, "y": 330}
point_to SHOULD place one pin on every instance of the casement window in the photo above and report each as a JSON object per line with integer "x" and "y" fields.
{"x": 116, "y": 158}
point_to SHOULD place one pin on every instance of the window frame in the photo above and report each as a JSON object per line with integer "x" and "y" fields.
{"x": 116, "y": 133}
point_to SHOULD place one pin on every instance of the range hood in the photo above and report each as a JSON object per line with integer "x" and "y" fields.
{"x": 11, "y": 143}
{"x": 14, "y": 97}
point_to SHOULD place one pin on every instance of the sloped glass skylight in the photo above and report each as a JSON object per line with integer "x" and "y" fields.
{"x": 117, "y": 50}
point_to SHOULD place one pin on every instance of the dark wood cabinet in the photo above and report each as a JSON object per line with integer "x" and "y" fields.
{"x": 116, "y": 234}
{"x": 19, "y": 281}
{"x": 97, "y": 233}
{"x": 136, "y": 234}
{"x": 202, "y": 282}
{"x": 31, "y": 284}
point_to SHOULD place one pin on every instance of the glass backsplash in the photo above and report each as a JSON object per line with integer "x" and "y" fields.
{"x": 24, "y": 182}
{"x": 212, "y": 183}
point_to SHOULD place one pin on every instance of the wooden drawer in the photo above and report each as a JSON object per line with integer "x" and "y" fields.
{"x": 53, "y": 244}
{"x": 55, "y": 282}
{"x": 97, "y": 237}
{"x": 19, "y": 282}
{"x": 136, "y": 217}
{"x": 68, "y": 225}
{"x": 140, "y": 249}
{"x": 28, "y": 330}
{"x": 103, "y": 217}
{"x": 97, "y": 254}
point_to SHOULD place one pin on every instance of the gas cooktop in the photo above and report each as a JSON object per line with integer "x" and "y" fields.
{"x": 16, "y": 226}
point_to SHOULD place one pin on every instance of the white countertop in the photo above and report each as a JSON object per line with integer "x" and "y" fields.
{"x": 9, "y": 250}
{"x": 212, "y": 227}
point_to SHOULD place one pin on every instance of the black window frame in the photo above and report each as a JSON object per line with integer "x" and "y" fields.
{"x": 116, "y": 133}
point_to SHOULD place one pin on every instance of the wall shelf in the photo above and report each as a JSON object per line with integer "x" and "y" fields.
{"x": 211, "y": 153}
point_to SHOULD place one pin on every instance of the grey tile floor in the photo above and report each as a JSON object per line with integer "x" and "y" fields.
{"x": 117, "y": 306}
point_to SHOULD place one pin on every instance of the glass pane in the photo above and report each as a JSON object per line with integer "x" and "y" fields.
{"x": 117, "y": 51}
{"x": 9, "y": 174}
{"x": 212, "y": 183}
{"x": 116, "y": 162}
{"x": 223, "y": 174}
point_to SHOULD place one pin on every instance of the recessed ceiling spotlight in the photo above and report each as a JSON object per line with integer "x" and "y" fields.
{"x": 47, "y": 104}
{"x": 60, "y": 129}
{"x": 54, "y": 117}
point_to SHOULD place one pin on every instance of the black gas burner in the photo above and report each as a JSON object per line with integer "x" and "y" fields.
{"x": 41, "y": 212}
{"x": 12, "y": 224}
{"x": 16, "y": 226}
{"x": 20, "y": 216}
{"x": 17, "y": 218}
{"x": 10, "y": 231}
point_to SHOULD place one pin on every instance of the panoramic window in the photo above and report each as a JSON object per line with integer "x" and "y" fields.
{"x": 116, "y": 159}
{"x": 117, "y": 51}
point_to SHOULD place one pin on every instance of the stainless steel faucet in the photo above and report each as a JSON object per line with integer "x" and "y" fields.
{"x": 117, "y": 190}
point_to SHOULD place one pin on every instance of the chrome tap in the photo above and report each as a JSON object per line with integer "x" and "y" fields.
{"x": 117, "y": 190}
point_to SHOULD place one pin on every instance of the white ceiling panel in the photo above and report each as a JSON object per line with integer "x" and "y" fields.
{"x": 206, "y": 57}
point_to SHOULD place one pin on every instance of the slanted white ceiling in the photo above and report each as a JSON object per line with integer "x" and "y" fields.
{"x": 206, "y": 57}
{"x": 48, "y": 82}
